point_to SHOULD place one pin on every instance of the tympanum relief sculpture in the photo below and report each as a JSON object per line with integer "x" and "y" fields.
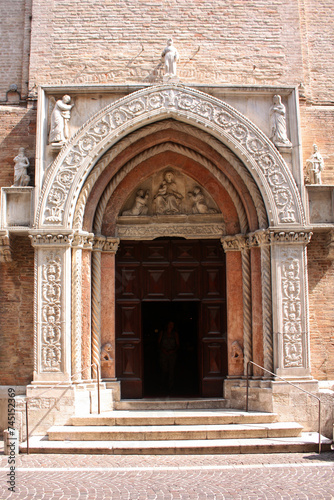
{"x": 169, "y": 194}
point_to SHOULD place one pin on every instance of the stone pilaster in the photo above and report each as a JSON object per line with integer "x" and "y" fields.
{"x": 53, "y": 312}
{"x": 290, "y": 303}
{"x": 5, "y": 250}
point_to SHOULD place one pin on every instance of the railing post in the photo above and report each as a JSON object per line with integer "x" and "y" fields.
{"x": 27, "y": 426}
{"x": 319, "y": 428}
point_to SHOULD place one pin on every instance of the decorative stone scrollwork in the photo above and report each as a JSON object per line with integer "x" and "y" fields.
{"x": 303, "y": 237}
{"x": 51, "y": 324}
{"x": 291, "y": 299}
{"x": 5, "y": 250}
{"x": 121, "y": 117}
{"x": 150, "y": 231}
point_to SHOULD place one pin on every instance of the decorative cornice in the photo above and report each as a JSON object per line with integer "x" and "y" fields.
{"x": 261, "y": 238}
{"x": 51, "y": 239}
{"x": 5, "y": 250}
{"x": 302, "y": 236}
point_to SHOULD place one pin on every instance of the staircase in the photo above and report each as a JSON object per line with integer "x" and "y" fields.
{"x": 176, "y": 427}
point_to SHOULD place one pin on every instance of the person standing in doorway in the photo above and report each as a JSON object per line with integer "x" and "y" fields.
{"x": 168, "y": 344}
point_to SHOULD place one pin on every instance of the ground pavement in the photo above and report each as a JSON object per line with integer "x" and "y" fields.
{"x": 131, "y": 477}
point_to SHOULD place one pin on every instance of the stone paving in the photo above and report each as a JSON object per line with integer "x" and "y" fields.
{"x": 131, "y": 477}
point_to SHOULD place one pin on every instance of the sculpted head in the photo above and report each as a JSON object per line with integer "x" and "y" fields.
{"x": 66, "y": 99}
{"x": 169, "y": 176}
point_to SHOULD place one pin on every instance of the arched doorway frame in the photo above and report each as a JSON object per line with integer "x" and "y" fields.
{"x": 59, "y": 249}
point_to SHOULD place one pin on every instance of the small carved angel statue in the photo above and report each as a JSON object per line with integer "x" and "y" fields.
{"x": 171, "y": 56}
{"x": 59, "y": 131}
{"x": 199, "y": 202}
{"x": 315, "y": 165}
{"x": 21, "y": 178}
{"x": 139, "y": 206}
{"x": 278, "y": 132}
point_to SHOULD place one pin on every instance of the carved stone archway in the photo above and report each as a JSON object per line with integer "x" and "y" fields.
{"x": 62, "y": 246}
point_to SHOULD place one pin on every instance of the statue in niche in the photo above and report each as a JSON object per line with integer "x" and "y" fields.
{"x": 168, "y": 199}
{"x": 61, "y": 114}
{"x": 315, "y": 165}
{"x": 140, "y": 204}
{"x": 199, "y": 203}
{"x": 171, "y": 56}
{"x": 278, "y": 123}
{"x": 21, "y": 178}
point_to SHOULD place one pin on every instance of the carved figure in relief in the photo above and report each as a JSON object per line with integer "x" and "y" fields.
{"x": 278, "y": 132}
{"x": 200, "y": 206}
{"x": 140, "y": 205}
{"x": 236, "y": 350}
{"x": 59, "y": 131}
{"x": 106, "y": 352}
{"x": 168, "y": 199}
{"x": 21, "y": 178}
{"x": 171, "y": 56}
{"x": 315, "y": 165}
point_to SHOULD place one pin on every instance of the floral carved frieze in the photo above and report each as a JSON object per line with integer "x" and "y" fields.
{"x": 292, "y": 311}
{"x": 51, "y": 312}
{"x": 149, "y": 231}
{"x": 62, "y": 184}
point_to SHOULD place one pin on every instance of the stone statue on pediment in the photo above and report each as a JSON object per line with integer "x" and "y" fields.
{"x": 21, "y": 178}
{"x": 61, "y": 114}
{"x": 315, "y": 165}
{"x": 278, "y": 133}
{"x": 171, "y": 57}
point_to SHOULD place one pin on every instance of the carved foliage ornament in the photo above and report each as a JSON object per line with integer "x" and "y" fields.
{"x": 101, "y": 131}
{"x": 51, "y": 311}
{"x": 292, "y": 307}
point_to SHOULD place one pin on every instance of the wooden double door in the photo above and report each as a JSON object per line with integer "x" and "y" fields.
{"x": 177, "y": 280}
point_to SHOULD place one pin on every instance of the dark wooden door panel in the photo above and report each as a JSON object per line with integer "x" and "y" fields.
{"x": 127, "y": 282}
{"x": 185, "y": 283}
{"x": 156, "y": 282}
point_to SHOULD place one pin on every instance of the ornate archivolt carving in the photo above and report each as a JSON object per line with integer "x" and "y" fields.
{"x": 182, "y": 127}
{"x": 181, "y": 150}
{"x": 74, "y": 162}
{"x": 51, "y": 314}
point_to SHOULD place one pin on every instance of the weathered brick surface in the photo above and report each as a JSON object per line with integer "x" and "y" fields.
{"x": 321, "y": 296}
{"x": 15, "y": 38}
{"x": 16, "y": 314}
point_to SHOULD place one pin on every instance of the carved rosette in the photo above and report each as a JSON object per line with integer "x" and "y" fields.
{"x": 51, "y": 314}
{"x": 74, "y": 163}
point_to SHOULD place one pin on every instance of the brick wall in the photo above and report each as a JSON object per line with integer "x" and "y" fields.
{"x": 16, "y": 314}
{"x": 321, "y": 300}
{"x": 15, "y": 41}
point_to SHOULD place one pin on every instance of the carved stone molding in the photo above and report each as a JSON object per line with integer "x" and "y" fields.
{"x": 234, "y": 243}
{"x": 111, "y": 245}
{"x": 303, "y": 236}
{"x": 50, "y": 239}
{"x": 150, "y": 231}
{"x": 83, "y": 240}
{"x": 75, "y": 161}
{"x": 98, "y": 243}
{"x": 51, "y": 352}
{"x": 5, "y": 250}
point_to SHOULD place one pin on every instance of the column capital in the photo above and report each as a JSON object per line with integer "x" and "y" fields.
{"x": 83, "y": 240}
{"x": 51, "y": 238}
{"x": 234, "y": 243}
{"x": 299, "y": 236}
{"x": 111, "y": 245}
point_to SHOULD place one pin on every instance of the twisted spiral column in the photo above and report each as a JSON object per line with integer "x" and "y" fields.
{"x": 267, "y": 308}
{"x": 96, "y": 300}
{"x": 247, "y": 305}
{"x": 76, "y": 313}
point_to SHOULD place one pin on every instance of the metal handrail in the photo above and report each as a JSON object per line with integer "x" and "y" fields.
{"x": 62, "y": 383}
{"x": 290, "y": 383}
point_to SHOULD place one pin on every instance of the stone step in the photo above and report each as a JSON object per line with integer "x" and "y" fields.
{"x": 173, "y": 417}
{"x": 173, "y": 432}
{"x": 307, "y": 442}
{"x": 171, "y": 404}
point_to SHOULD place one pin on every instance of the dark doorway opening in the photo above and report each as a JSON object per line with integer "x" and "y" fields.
{"x": 155, "y": 317}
